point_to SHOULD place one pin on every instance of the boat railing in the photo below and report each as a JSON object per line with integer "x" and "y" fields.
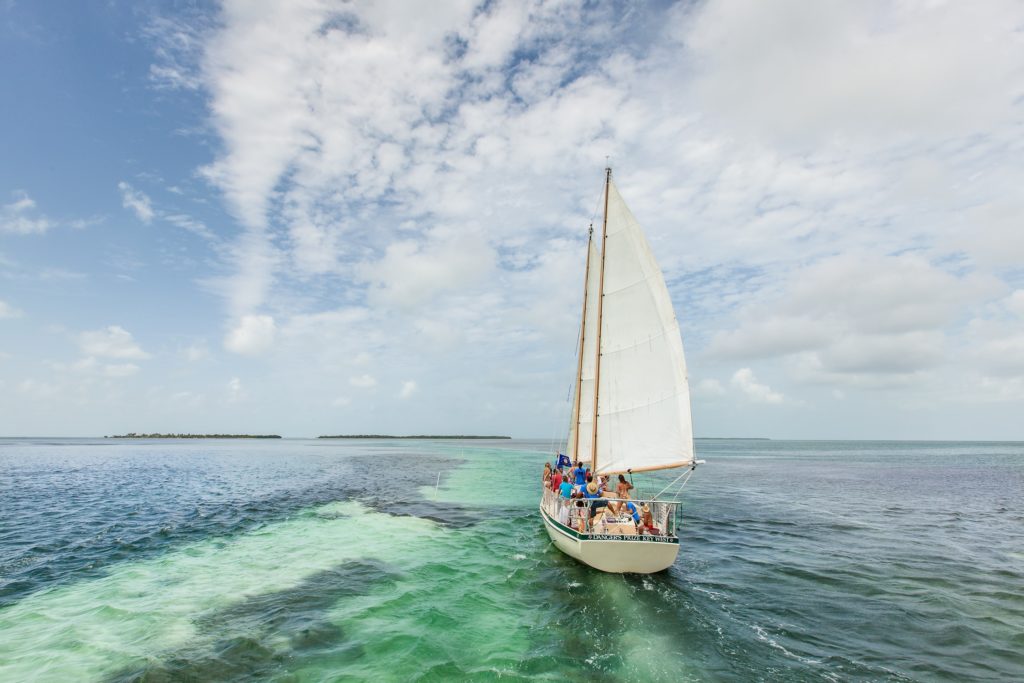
{"x": 664, "y": 513}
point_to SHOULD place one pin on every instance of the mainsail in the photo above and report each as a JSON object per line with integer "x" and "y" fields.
{"x": 643, "y": 404}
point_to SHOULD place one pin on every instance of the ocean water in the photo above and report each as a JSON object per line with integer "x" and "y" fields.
{"x": 306, "y": 560}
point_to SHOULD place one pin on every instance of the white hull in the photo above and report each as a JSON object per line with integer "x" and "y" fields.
{"x": 614, "y": 554}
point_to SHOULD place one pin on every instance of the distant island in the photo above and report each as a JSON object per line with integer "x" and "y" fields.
{"x": 415, "y": 436}
{"x": 133, "y": 435}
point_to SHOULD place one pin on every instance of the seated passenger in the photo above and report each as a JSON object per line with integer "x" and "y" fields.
{"x": 646, "y": 524}
{"x": 630, "y": 508}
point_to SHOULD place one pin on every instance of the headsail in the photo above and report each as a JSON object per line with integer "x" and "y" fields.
{"x": 643, "y": 399}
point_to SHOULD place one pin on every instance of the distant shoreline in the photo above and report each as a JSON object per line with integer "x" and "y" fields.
{"x": 415, "y": 436}
{"x": 133, "y": 435}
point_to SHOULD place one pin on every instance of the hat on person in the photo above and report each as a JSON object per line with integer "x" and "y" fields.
{"x": 645, "y": 508}
{"x": 592, "y": 487}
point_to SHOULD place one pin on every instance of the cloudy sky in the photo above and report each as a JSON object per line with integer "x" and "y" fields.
{"x": 307, "y": 217}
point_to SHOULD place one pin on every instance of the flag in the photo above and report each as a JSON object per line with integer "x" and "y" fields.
{"x": 563, "y": 461}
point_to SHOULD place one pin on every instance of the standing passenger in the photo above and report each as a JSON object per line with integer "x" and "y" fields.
{"x": 579, "y": 474}
{"x": 556, "y": 480}
{"x": 623, "y": 488}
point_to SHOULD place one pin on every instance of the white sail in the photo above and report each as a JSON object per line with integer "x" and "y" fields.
{"x": 644, "y": 401}
{"x": 584, "y": 421}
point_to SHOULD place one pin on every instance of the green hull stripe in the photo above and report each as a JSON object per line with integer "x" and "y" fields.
{"x": 603, "y": 537}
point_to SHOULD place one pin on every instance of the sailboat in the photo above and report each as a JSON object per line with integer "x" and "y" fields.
{"x": 631, "y": 405}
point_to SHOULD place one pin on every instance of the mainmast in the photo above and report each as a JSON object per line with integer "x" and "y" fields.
{"x": 600, "y": 306}
{"x": 579, "y": 355}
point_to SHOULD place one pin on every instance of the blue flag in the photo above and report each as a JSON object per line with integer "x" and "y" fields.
{"x": 563, "y": 461}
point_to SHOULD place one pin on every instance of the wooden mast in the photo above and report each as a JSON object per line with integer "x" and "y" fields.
{"x": 600, "y": 307}
{"x": 579, "y": 355}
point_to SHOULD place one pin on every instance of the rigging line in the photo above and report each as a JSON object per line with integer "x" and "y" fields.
{"x": 686, "y": 474}
{"x": 559, "y": 419}
{"x": 679, "y": 491}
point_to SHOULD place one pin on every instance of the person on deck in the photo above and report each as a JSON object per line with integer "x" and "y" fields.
{"x": 556, "y": 480}
{"x": 646, "y": 524}
{"x": 623, "y": 488}
{"x": 563, "y": 512}
{"x": 630, "y": 508}
{"x": 593, "y": 493}
{"x": 546, "y": 477}
{"x": 582, "y": 517}
{"x": 565, "y": 489}
{"x": 579, "y": 474}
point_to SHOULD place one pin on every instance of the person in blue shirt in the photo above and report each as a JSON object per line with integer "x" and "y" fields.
{"x": 579, "y": 474}
{"x": 565, "y": 489}
{"x": 632, "y": 510}
{"x": 593, "y": 493}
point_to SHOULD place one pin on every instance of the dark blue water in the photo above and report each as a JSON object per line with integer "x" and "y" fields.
{"x": 312, "y": 560}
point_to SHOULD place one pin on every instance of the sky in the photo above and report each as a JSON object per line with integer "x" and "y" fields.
{"x": 311, "y": 217}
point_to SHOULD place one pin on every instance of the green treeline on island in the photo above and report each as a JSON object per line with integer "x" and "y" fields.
{"x": 415, "y": 436}
{"x": 133, "y": 435}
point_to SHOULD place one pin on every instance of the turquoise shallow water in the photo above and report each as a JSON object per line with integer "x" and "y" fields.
{"x": 304, "y": 560}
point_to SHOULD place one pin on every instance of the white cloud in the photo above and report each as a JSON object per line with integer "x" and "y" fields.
{"x": 1015, "y": 303}
{"x": 88, "y": 368}
{"x": 117, "y": 370}
{"x": 709, "y": 387}
{"x": 252, "y": 335}
{"x": 996, "y": 344}
{"x": 136, "y": 201}
{"x": 883, "y": 354}
{"x": 859, "y": 70}
{"x": 744, "y": 380}
{"x": 38, "y": 390}
{"x": 187, "y": 399}
{"x": 111, "y": 342}
{"x": 411, "y": 274}
{"x": 20, "y": 217}
{"x": 177, "y": 41}
{"x": 8, "y": 311}
{"x": 363, "y": 381}
{"x": 408, "y": 389}
{"x": 857, "y": 319}
{"x": 190, "y": 224}
{"x": 341, "y": 402}
{"x": 195, "y": 352}
{"x": 235, "y": 392}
